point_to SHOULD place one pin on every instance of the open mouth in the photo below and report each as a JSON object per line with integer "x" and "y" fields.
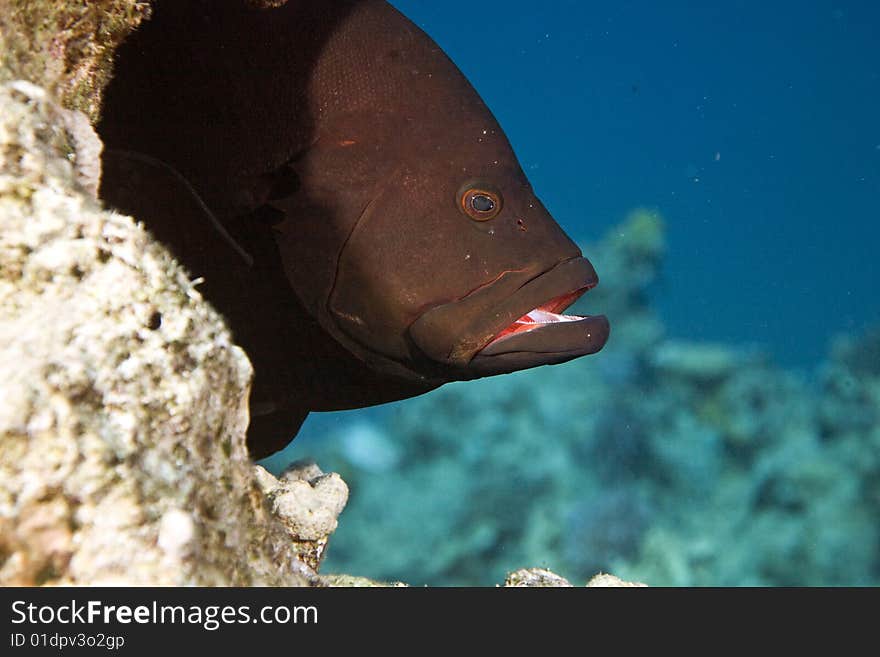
{"x": 511, "y": 325}
{"x": 544, "y": 336}
{"x": 547, "y": 313}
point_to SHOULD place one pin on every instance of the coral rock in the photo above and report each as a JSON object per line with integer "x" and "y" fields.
{"x": 538, "y": 577}
{"x": 123, "y": 401}
{"x": 606, "y": 580}
{"x": 308, "y": 502}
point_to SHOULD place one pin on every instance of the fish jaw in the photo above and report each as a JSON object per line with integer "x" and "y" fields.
{"x": 514, "y": 323}
{"x": 547, "y": 313}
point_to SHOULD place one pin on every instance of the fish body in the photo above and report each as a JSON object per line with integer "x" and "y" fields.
{"x": 392, "y": 240}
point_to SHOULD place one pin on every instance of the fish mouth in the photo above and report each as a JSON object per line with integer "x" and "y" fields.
{"x": 515, "y": 323}
{"x": 544, "y": 336}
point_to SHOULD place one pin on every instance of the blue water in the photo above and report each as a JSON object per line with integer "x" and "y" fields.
{"x": 753, "y": 129}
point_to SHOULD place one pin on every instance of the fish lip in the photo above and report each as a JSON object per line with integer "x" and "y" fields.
{"x": 546, "y": 345}
{"x": 490, "y": 309}
{"x": 556, "y": 305}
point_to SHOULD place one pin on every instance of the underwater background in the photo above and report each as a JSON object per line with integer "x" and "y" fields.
{"x": 720, "y": 166}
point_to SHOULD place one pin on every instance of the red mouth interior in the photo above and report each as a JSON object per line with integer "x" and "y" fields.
{"x": 546, "y": 313}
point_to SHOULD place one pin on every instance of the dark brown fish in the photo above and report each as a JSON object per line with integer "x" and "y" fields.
{"x": 379, "y": 237}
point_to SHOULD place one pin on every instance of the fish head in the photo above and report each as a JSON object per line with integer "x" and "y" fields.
{"x": 446, "y": 265}
{"x": 424, "y": 249}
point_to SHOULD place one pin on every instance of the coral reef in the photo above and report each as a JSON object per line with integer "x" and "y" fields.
{"x": 661, "y": 460}
{"x": 123, "y": 401}
{"x": 65, "y": 47}
{"x": 536, "y": 577}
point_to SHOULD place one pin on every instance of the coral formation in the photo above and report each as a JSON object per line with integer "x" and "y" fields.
{"x": 123, "y": 401}
{"x": 663, "y": 461}
{"x": 65, "y": 47}
{"x": 536, "y": 577}
{"x": 308, "y": 502}
{"x": 605, "y": 580}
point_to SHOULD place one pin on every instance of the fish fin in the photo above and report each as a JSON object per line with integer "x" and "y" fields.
{"x": 271, "y": 432}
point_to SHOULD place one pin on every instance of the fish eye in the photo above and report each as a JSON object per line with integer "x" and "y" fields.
{"x": 480, "y": 204}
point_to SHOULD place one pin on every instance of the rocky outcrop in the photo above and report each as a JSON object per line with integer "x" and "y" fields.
{"x": 66, "y": 47}
{"x": 123, "y": 402}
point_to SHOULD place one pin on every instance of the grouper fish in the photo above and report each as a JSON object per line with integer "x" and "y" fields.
{"x": 355, "y": 210}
